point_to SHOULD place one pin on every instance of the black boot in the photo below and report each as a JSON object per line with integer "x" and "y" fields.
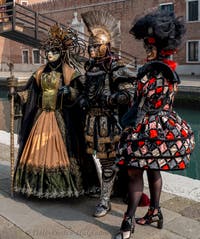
{"x": 127, "y": 228}
{"x": 153, "y": 215}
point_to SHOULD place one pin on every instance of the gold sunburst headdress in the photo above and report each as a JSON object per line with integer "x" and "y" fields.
{"x": 103, "y": 28}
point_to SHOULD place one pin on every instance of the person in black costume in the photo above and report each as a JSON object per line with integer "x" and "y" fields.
{"x": 155, "y": 138}
{"x": 109, "y": 90}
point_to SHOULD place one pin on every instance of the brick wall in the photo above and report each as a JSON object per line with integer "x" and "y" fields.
{"x": 125, "y": 11}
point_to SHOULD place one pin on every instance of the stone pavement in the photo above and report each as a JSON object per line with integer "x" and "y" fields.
{"x": 29, "y": 218}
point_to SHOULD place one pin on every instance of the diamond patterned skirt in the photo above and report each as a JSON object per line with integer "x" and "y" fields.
{"x": 162, "y": 141}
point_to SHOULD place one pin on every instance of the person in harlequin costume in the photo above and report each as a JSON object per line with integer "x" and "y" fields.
{"x": 155, "y": 137}
{"x": 48, "y": 162}
{"x": 109, "y": 89}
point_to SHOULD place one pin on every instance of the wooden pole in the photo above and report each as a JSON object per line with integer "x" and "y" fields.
{"x": 12, "y": 83}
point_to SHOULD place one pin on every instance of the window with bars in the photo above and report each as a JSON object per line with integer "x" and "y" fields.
{"x": 24, "y": 2}
{"x": 25, "y": 56}
{"x": 192, "y": 10}
{"x": 193, "y": 51}
{"x": 36, "y": 56}
{"x": 169, "y": 7}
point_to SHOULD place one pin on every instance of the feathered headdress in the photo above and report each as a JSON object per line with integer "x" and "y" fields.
{"x": 103, "y": 28}
{"x": 160, "y": 28}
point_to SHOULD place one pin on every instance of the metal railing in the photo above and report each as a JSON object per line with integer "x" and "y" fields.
{"x": 23, "y": 24}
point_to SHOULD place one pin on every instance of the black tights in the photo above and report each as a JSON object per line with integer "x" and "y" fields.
{"x": 155, "y": 187}
{"x": 136, "y": 185}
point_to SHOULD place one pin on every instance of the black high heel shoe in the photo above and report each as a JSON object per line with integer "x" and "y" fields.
{"x": 152, "y": 217}
{"x": 126, "y": 229}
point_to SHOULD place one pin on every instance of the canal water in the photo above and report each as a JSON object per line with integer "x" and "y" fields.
{"x": 193, "y": 118}
{"x": 3, "y": 93}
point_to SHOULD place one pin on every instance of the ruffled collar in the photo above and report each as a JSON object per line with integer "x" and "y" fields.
{"x": 170, "y": 63}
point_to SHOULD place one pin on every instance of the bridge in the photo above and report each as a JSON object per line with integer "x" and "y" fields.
{"x": 23, "y": 25}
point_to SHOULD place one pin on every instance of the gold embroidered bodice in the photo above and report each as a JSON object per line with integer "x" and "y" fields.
{"x": 50, "y": 83}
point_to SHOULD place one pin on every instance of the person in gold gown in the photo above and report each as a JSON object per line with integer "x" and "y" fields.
{"x": 48, "y": 162}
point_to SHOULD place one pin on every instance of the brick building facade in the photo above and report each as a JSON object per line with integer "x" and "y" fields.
{"x": 11, "y": 51}
{"x": 68, "y": 12}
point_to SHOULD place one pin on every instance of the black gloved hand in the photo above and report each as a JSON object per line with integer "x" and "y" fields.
{"x": 125, "y": 134}
{"x": 64, "y": 90}
{"x": 15, "y": 95}
{"x": 17, "y": 104}
{"x": 83, "y": 102}
{"x": 118, "y": 98}
{"x": 103, "y": 100}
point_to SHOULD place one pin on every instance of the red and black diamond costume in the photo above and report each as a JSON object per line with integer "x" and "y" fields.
{"x": 155, "y": 137}
{"x": 159, "y": 138}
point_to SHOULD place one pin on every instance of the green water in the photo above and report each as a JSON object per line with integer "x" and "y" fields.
{"x": 3, "y": 93}
{"x": 193, "y": 118}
